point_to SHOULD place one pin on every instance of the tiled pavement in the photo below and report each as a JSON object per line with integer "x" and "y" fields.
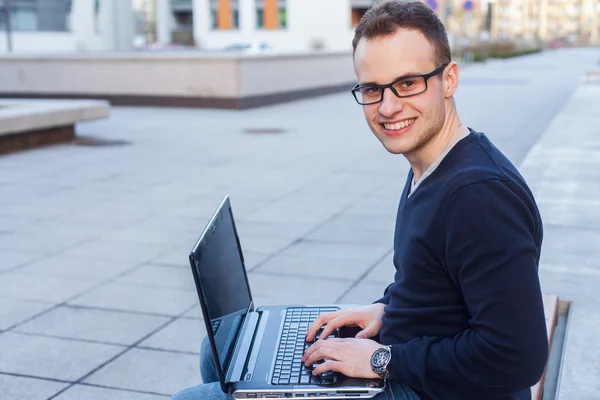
{"x": 96, "y": 297}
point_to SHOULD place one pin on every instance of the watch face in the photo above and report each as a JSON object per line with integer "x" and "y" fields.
{"x": 380, "y": 357}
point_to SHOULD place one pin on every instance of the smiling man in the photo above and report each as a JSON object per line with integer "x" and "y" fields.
{"x": 464, "y": 317}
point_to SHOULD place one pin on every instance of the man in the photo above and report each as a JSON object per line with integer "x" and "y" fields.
{"x": 464, "y": 317}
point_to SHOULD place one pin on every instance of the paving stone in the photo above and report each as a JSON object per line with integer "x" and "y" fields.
{"x": 364, "y": 293}
{"x": 51, "y": 358}
{"x": 82, "y": 392}
{"x": 40, "y": 242}
{"x": 316, "y": 267}
{"x": 10, "y": 223}
{"x": 272, "y": 229}
{"x": 565, "y": 245}
{"x": 118, "y": 251}
{"x": 114, "y": 327}
{"x": 21, "y": 388}
{"x": 280, "y": 290}
{"x": 43, "y": 288}
{"x": 195, "y": 312}
{"x": 153, "y": 235}
{"x": 66, "y": 266}
{"x": 13, "y": 311}
{"x": 154, "y": 371}
{"x": 367, "y": 253}
{"x": 180, "y": 335}
{"x": 358, "y": 234}
{"x": 383, "y": 272}
{"x": 177, "y": 257}
{"x": 252, "y": 259}
{"x": 12, "y": 259}
{"x": 159, "y": 276}
{"x": 160, "y": 301}
{"x": 583, "y": 214}
{"x": 31, "y": 210}
{"x": 264, "y": 244}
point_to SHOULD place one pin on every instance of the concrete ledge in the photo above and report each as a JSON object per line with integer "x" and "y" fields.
{"x": 593, "y": 76}
{"x": 178, "y": 79}
{"x": 195, "y": 102}
{"x": 25, "y": 124}
{"x": 27, "y": 115}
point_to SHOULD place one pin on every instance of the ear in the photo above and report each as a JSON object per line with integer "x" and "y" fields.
{"x": 451, "y": 76}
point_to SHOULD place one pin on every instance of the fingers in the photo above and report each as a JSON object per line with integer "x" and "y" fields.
{"x": 331, "y": 344}
{"x": 322, "y": 351}
{"x": 318, "y": 323}
{"x": 329, "y": 365}
{"x": 338, "y": 322}
{"x": 368, "y": 332}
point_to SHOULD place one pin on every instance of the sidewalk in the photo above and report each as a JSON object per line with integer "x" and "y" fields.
{"x": 563, "y": 169}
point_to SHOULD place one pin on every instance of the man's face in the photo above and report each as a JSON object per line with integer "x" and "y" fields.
{"x": 403, "y": 125}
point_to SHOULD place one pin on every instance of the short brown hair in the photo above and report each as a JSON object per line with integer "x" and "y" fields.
{"x": 385, "y": 18}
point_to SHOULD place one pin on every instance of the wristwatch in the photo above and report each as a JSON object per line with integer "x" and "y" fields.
{"x": 380, "y": 360}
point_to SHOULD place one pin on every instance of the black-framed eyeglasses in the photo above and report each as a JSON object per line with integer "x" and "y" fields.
{"x": 407, "y": 86}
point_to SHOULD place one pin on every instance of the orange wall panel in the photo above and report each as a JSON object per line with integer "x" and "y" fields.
{"x": 224, "y": 14}
{"x": 271, "y": 14}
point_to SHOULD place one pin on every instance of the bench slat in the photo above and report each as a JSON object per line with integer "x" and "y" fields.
{"x": 551, "y": 313}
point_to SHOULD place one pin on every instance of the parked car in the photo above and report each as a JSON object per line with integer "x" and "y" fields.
{"x": 249, "y": 47}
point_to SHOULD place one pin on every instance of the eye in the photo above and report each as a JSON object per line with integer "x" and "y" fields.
{"x": 407, "y": 84}
{"x": 371, "y": 90}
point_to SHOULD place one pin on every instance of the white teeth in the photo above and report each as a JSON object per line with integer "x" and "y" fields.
{"x": 399, "y": 125}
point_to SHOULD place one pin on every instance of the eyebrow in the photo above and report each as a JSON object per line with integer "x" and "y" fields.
{"x": 407, "y": 75}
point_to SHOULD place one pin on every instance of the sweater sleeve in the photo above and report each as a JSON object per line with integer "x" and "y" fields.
{"x": 491, "y": 255}
{"x": 386, "y": 296}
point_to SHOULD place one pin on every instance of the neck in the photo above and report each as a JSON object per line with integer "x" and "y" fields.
{"x": 422, "y": 158}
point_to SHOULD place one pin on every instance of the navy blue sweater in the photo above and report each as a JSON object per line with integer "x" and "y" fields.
{"x": 465, "y": 314}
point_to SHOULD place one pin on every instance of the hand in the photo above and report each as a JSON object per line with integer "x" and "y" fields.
{"x": 349, "y": 356}
{"x": 367, "y": 317}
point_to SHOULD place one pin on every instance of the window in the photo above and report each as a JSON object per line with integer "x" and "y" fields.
{"x": 38, "y": 15}
{"x": 357, "y": 14}
{"x": 224, "y": 14}
{"x": 21, "y": 19}
{"x": 271, "y": 14}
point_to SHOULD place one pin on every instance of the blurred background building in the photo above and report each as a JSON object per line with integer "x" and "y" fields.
{"x": 571, "y": 21}
{"x": 283, "y": 25}
{"x": 65, "y": 25}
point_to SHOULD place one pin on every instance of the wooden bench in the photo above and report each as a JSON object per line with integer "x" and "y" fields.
{"x": 551, "y": 312}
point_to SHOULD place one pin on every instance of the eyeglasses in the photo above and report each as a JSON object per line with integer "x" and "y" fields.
{"x": 406, "y": 86}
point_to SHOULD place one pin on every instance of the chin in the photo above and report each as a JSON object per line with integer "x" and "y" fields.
{"x": 396, "y": 146}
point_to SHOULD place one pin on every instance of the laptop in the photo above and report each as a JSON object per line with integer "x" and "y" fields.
{"x": 258, "y": 351}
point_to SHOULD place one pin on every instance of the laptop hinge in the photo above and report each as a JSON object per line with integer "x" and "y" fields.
{"x": 242, "y": 348}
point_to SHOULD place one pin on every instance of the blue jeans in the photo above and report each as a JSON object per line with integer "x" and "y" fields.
{"x": 211, "y": 389}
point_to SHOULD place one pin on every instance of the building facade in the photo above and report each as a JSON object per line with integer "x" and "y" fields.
{"x": 65, "y": 25}
{"x": 289, "y": 25}
{"x": 573, "y": 21}
{"x": 283, "y": 25}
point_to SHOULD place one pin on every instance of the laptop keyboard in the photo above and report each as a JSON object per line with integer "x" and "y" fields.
{"x": 289, "y": 369}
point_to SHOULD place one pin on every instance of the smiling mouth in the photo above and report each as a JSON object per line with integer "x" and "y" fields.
{"x": 399, "y": 125}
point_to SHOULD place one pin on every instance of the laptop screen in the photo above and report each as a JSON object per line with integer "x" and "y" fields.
{"x": 222, "y": 277}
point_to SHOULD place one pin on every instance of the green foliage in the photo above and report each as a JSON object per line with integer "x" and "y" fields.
{"x": 498, "y": 50}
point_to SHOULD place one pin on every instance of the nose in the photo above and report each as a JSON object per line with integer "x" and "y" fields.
{"x": 390, "y": 105}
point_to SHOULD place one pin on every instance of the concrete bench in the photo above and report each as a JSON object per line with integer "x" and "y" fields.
{"x": 26, "y": 124}
{"x": 593, "y": 76}
{"x": 551, "y": 312}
